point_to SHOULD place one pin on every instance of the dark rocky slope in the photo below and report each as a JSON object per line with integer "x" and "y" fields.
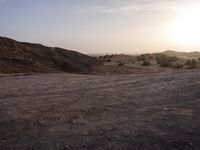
{"x": 18, "y": 57}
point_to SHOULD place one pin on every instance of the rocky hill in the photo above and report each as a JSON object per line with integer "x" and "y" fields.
{"x": 19, "y": 57}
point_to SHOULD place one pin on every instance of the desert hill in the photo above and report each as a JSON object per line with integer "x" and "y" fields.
{"x": 171, "y": 59}
{"x": 184, "y": 55}
{"x": 19, "y": 57}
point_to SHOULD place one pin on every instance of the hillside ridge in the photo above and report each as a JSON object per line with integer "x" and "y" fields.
{"x": 22, "y": 57}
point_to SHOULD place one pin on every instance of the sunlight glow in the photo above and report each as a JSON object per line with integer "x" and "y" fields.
{"x": 185, "y": 28}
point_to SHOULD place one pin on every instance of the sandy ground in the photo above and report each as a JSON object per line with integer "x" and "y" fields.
{"x": 159, "y": 111}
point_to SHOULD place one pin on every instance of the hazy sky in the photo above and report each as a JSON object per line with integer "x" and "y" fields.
{"x": 103, "y": 26}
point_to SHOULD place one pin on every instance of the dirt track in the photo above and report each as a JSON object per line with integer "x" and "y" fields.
{"x": 59, "y": 111}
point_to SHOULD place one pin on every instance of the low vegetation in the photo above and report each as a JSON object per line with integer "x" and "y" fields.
{"x": 191, "y": 64}
{"x": 166, "y": 61}
{"x": 146, "y": 63}
{"x": 163, "y": 60}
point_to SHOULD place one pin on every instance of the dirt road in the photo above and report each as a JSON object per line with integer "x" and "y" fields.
{"x": 158, "y": 111}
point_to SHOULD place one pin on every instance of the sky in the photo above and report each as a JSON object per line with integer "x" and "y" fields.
{"x": 104, "y": 26}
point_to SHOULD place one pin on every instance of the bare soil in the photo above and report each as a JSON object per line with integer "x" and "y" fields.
{"x": 159, "y": 111}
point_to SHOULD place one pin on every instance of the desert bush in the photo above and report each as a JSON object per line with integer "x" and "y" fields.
{"x": 111, "y": 56}
{"x": 145, "y": 57}
{"x": 108, "y": 60}
{"x": 121, "y": 64}
{"x": 178, "y": 66}
{"x": 107, "y": 57}
{"x": 166, "y": 64}
{"x": 166, "y": 61}
{"x": 188, "y": 62}
{"x": 146, "y": 63}
{"x": 140, "y": 58}
{"x": 192, "y": 64}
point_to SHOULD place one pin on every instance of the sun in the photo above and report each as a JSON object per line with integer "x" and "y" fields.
{"x": 185, "y": 28}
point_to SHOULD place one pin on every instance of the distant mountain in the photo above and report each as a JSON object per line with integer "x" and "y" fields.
{"x": 19, "y": 57}
{"x": 183, "y": 55}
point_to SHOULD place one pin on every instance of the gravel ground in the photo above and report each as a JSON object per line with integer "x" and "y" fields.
{"x": 158, "y": 111}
